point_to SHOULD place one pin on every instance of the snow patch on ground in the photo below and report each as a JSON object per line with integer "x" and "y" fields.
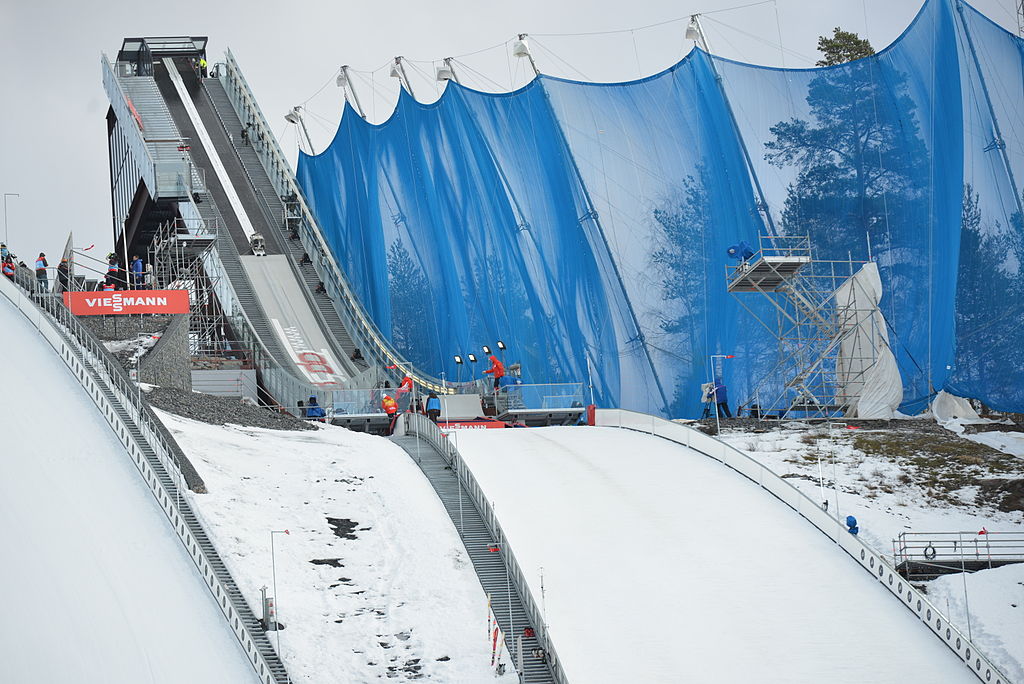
{"x": 373, "y": 581}
{"x": 996, "y": 601}
{"x": 131, "y": 351}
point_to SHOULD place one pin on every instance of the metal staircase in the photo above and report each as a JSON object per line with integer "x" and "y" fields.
{"x": 489, "y": 558}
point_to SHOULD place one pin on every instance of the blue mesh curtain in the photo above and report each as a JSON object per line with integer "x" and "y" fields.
{"x": 583, "y": 221}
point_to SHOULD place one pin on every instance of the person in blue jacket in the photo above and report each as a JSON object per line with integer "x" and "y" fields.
{"x": 433, "y": 407}
{"x": 722, "y": 399}
{"x": 315, "y": 411}
{"x": 137, "y": 272}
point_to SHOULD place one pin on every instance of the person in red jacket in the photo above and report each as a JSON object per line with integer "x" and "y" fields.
{"x": 390, "y": 407}
{"x": 498, "y": 369}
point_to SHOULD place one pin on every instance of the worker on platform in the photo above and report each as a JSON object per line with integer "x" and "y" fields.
{"x": 202, "y": 67}
{"x": 315, "y": 411}
{"x": 63, "y": 275}
{"x": 8, "y": 267}
{"x": 112, "y": 270}
{"x": 721, "y": 399}
{"x": 41, "y": 278}
{"x": 433, "y": 407}
{"x": 4, "y": 252}
{"x": 137, "y": 278}
{"x": 498, "y": 369}
{"x": 390, "y": 407}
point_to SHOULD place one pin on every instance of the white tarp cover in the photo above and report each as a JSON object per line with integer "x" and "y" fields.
{"x": 948, "y": 407}
{"x": 866, "y": 368}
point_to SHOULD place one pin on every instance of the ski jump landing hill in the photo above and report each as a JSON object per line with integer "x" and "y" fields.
{"x": 98, "y": 588}
{"x": 644, "y": 559}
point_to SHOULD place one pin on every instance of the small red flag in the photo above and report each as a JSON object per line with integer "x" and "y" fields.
{"x": 983, "y": 531}
{"x": 492, "y": 549}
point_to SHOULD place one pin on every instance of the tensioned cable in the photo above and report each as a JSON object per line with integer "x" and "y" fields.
{"x": 754, "y": 36}
{"x": 555, "y": 55}
{"x": 648, "y": 26}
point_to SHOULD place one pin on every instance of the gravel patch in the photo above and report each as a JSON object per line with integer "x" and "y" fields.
{"x": 214, "y": 410}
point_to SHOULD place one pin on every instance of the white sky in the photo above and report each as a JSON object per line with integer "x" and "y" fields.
{"x": 52, "y": 108}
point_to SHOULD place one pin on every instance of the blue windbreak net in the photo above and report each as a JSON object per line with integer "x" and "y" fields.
{"x": 586, "y": 225}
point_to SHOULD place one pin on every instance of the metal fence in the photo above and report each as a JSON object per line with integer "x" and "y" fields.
{"x": 993, "y": 548}
{"x": 539, "y": 397}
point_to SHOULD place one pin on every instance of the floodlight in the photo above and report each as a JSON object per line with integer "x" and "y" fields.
{"x": 471, "y": 357}
{"x": 501, "y": 345}
{"x": 445, "y": 73}
{"x": 292, "y": 117}
{"x": 693, "y": 29}
{"x": 342, "y": 79}
{"x": 521, "y": 48}
{"x": 458, "y": 359}
{"x": 487, "y": 350}
{"x": 395, "y": 71}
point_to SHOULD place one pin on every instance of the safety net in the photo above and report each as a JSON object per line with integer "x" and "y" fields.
{"x": 586, "y": 225}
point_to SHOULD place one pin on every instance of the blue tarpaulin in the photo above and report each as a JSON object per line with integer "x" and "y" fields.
{"x": 582, "y": 221}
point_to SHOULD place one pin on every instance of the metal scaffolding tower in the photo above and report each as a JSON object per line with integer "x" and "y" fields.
{"x": 825, "y": 324}
{"x": 176, "y": 256}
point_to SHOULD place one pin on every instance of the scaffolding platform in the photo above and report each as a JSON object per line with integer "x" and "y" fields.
{"x": 766, "y": 273}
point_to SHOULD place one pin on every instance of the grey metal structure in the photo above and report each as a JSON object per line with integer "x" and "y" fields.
{"x": 809, "y": 323}
{"x": 499, "y": 572}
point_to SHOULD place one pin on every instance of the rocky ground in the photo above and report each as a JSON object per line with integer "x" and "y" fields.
{"x": 214, "y": 410}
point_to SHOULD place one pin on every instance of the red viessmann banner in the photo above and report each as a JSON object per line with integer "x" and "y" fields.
{"x": 127, "y": 302}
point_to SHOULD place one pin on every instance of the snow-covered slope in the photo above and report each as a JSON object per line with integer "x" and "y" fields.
{"x": 662, "y": 565}
{"x": 373, "y": 582}
{"x": 96, "y": 586}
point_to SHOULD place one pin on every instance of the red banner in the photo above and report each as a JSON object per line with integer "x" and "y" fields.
{"x": 127, "y": 302}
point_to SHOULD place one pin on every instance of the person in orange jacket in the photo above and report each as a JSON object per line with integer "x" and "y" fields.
{"x": 498, "y": 368}
{"x": 390, "y": 407}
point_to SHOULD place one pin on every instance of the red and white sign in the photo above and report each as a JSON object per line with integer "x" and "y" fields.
{"x": 127, "y": 302}
{"x": 475, "y": 424}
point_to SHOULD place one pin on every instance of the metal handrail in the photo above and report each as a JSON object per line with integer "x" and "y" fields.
{"x": 119, "y": 101}
{"x": 968, "y": 546}
{"x": 282, "y": 176}
{"x": 426, "y": 429}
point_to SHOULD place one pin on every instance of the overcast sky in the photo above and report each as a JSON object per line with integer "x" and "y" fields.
{"x": 52, "y": 107}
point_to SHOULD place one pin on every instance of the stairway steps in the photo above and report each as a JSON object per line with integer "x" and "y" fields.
{"x": 489, "y": 566}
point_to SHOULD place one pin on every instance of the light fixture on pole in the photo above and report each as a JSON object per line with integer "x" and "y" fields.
{"x": 486, "y": 349}
{"x": 6, "y": 195}
{"x": 521, "y": 48}
{"x": 446, "y": 72}
{"x": 398, "y": 71}
{"x": 295, "y": 117}
{"x": 711, "y": 361}
{"x": 695, "y": 32}
{"x": 458, "y": 362}
{"x": 472, "y": 359}
{"x": 345, "y": 83}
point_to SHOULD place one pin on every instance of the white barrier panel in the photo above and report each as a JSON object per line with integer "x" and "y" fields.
{"x": 869, "y": 559}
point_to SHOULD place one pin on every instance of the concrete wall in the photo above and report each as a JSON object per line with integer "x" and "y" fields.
{"x": 167, "y": 364}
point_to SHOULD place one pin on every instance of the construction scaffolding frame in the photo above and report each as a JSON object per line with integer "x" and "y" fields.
{"x": 826, "y": 327}
{"x": 176, "y": 262}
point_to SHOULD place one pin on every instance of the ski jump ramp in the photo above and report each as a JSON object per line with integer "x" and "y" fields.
{"x": 293, "y": 321}
{"x": 97, "y": 587}
{"x": 661, "y": 564}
